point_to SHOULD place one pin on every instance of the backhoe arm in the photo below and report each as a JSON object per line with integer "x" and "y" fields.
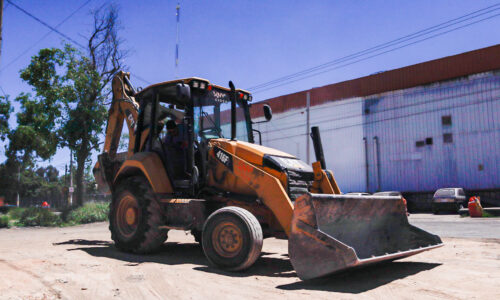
{"x": 123, "y": 106}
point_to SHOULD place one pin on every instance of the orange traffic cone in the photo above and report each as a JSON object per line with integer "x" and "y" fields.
{"x": 475, "y": 208}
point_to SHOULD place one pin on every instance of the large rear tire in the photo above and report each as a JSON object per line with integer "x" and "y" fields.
{"x": 135, "y": 216}
{"x": 232, "y": 238}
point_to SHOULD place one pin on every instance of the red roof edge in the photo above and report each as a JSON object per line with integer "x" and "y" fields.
{"x": 446, "y": 68}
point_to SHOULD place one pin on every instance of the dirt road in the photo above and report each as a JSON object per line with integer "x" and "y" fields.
{"x": 81, "y": 263}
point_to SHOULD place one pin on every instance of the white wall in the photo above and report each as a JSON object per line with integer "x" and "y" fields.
{"x": 341, "y": 129}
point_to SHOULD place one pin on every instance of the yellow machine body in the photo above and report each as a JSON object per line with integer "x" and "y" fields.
{"x": 327, "y": 231}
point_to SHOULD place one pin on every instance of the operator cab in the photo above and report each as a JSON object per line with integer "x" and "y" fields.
{"x": 200, "y": 111}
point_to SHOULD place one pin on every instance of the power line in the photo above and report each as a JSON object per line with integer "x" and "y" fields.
{"x": 386, "y": 44}
{"x": 46, "y": 25}
{"x": 43, "y": 37}
{"x": 375, "y": 55}
{"x": 487, "y": 10}
{"x": 54, "y": 29}
{"x": 141, "y": 79}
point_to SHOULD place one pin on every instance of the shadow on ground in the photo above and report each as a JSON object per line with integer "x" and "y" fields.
{"x": 173, "y": 253}
{"x": 269, "y": 264}
{"x": 364, "y": 279}
{"x": 85, "y": 243}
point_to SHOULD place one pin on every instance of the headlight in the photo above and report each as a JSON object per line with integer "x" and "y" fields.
{"x": 195, "y": 84}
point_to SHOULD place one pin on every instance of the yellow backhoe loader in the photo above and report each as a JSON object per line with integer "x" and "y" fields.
{"x": 205, "y": 174}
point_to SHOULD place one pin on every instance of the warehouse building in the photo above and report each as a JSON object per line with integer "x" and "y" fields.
{"x": 414, "y": 129}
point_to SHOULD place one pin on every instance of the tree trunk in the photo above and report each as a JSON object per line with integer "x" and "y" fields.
{"x": 79, "y": 176}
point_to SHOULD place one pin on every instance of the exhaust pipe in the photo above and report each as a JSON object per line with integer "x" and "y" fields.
{"x": 318, "y": 147}
{"x": 233, "y": 110}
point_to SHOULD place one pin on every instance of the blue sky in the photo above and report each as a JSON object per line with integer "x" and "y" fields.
{"x": 249, "y": 42}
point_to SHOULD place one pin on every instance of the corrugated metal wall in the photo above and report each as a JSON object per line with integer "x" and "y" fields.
{"x": 411, "y": 144}
{"x": 444, "y": 134}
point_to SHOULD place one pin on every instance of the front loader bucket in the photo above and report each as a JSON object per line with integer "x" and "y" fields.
{"x": 331, "y": 233}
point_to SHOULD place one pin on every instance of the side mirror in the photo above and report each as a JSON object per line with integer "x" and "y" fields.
{"x": 183, "y": 92}
{"x": 268, "y": 113}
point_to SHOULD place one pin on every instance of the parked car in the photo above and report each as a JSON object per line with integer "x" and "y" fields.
{"x": 394, "y": 193}
{"x": 449, "y": 199}
{"x": 390, "y": 193}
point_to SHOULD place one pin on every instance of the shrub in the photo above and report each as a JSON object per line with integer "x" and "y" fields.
{"x": 88, "y": 213}
{"x": 35, "y": 216}
{"x": 15, "y": 213}
{"x": 4, "y": 221}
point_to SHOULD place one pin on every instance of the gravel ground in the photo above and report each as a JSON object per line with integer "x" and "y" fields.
{"x": 81, "y": 262}
{"x": 453, "y": 225}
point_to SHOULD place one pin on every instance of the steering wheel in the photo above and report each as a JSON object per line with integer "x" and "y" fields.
{"x": 210, "y": 131}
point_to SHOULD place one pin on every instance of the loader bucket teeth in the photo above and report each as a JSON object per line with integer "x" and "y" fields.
{"x": 331, "y": 233}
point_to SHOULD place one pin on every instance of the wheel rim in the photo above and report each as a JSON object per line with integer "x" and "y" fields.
{"x": 227, "y": 239}
{"x": 127, "y": 215}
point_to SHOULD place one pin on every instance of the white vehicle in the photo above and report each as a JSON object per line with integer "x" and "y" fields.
{"x": 450, "y": 199}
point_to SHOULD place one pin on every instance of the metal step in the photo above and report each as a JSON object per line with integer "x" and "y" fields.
{"x": 182, "y": 184}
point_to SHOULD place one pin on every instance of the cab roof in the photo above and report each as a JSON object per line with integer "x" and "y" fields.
{"x": 167, "y": 89}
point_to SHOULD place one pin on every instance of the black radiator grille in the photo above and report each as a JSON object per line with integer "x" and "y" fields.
{"x": 298, "y": 183}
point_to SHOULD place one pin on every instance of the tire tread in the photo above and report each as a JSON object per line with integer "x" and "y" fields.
{"x": 151, "y": 237}
{"x": 254, "y": 229}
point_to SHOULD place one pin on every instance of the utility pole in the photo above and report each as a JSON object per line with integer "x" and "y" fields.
{"x": 1, "y": 17}
{"x": 18, "y": 180}
{"x": 71, "y": 189}
{"x": 178, "y": 9}
{"x": 308, "y": 125}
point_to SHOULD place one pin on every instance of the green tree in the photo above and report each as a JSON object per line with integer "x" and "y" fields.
{"x": 5, "y": 110}
{"x": 70, "y": 87}
{"x": 35, "y": 134}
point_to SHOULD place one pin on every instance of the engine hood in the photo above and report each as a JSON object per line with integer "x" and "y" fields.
{"x": 251, "y": 153}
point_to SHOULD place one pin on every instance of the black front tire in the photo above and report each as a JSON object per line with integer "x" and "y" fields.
{"x": 232, "y": 238}
{"x": 143, "y": 234}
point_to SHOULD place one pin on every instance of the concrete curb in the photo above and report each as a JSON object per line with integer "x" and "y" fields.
{"x": 495, "y": 211}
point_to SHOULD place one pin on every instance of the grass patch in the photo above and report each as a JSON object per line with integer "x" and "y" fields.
{"x": 35, "y": 216}
{"x": 488, "y": 215}
{"x": 4, "y": 221}
{"x": 88, "y": 213}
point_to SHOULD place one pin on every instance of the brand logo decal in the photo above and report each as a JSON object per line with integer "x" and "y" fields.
{"x": 220, "y": 97}
{"x": 224, "y": 158}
